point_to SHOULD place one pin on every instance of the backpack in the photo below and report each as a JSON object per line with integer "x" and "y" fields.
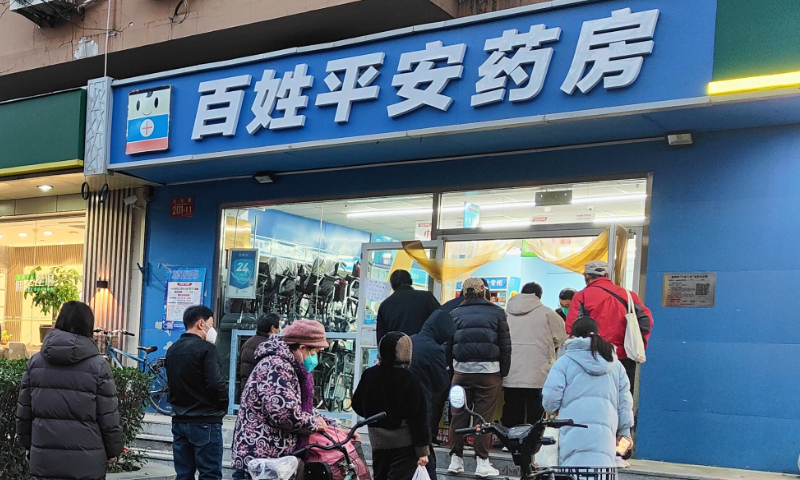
{"x": 335, "y": 458}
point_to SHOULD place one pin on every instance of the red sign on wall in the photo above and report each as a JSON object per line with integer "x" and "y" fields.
{"x": 182, "y": 207}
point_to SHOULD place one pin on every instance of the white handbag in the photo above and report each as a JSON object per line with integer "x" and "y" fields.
{"x": 634, "y": 343}
{"x": 547, "y": 456}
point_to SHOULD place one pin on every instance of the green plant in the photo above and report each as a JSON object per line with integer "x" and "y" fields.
{"x": 13, "y": 465}
{"x": 50, "y": 291}
{"x": 5, "y": 337}
{"x": 133, "y": 392}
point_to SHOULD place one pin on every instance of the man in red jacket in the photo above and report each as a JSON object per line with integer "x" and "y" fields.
{"x": 598, "y": 301}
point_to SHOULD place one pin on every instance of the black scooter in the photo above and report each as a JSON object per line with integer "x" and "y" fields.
{"x": 524, "y": 441}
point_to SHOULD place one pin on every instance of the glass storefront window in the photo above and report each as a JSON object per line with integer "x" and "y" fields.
{"x": 309, "y": 266}
{"x": 31, "y": 253}
{"x": 605, "y": 202}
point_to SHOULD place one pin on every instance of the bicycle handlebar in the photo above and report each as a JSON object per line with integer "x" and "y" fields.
{"x": 558, "y": 423}
{"x": 114, "y": 332}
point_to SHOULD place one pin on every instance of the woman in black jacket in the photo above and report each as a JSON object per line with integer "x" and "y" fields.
{"x": 67, "y": 414}
{"x": 402, "y": 440}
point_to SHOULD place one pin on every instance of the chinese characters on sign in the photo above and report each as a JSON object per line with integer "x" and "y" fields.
{"x": 612, "y": 49}
{"x": 184, "y": 288}
{"x": 689, "y": 289}
{"x": 181, "y": 207}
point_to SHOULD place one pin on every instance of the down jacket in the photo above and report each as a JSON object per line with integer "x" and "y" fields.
{"x": 536, "y": 332}
{"x": 481, "y": 334}
{"x": 430, "y": 364}
{"x": 67, "y": 410}
{"x": 276, "y": 412}
{"x": 594, "y": 392}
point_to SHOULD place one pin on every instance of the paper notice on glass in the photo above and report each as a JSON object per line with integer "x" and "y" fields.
{"x": 180, "y": 296}
{"x": 377, "y": 291}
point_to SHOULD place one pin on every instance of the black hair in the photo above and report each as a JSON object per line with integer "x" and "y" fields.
{"x": 595, "y": 276}
{"x": 533, "y": 288}
{"x": 194, "y": 314}
{"x": 76, "y": 317}
{"x": 586, "y": 327}
{"x": 400, "y": 278}
{"x": 567, "y": 294}
{"x": 294, "y": 346}
{"x": 267, "y": 321}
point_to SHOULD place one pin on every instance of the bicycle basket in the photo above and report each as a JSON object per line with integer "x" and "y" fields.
{"x": 585, "y": 473}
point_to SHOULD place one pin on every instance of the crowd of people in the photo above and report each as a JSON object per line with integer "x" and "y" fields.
{"x": 68, "y": 420}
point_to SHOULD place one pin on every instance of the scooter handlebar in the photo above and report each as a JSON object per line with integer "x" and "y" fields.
{"x": 466, "y": 431}
{"x": 562, "y": 422}
{"x": 371, "y": 419}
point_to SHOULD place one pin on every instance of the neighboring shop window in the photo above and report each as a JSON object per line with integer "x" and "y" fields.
{"x": 37, "y": 257}
{"x": 306, "y": 264}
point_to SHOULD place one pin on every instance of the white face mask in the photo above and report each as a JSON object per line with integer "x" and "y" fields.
{"x": 211, "y": 334}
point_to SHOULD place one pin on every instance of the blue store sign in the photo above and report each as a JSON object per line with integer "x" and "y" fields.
{"x": 467, "y": 75}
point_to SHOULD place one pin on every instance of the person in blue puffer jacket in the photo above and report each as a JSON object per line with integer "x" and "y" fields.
{"x": 589, "y": 385}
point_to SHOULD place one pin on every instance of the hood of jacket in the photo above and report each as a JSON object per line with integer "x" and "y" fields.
{"x": 580, "y": 350}
{"x": 64, "y": 348}
{"x": 395, "y": 350}
{"x": 522, "y": 304}
{"x": 439, "y": 326}
{"x": 275, "y": 346}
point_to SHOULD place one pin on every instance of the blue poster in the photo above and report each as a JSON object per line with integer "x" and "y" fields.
{"x": 184, "y": 288}
{"x": 242, "y": 273}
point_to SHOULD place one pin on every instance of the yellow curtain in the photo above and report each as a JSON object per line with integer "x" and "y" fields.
{"x": 450, "y": 268}
{"x": 596, "y": 250}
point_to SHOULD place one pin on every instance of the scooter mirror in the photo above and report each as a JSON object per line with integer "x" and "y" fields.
{"x": 457, "y": 397}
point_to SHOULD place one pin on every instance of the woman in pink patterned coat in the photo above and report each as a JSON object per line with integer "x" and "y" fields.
{"x": 276, "y": 414}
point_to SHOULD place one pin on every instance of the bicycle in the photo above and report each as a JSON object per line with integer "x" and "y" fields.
{"x": 339, "y": 382}
{"x": 159, "y": 388}
{"x": 523, "y": 441}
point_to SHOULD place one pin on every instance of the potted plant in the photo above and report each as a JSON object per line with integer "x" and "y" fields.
{"x": 50, "y": 291}
{"x": 5, "y": 337}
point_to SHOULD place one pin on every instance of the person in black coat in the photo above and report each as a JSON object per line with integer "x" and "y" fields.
{"x": 401, "y": 441}
{"x": 481, "y": 353}
{"x": 67, "y": 417}
{"x": 266, "y": 325}
{"x": 431, "y": 365}
{"x": 406, "y": 309}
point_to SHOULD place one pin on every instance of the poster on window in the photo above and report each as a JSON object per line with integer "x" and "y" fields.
{"x": 242, "y": 271}
{"x": 184, "y": 289}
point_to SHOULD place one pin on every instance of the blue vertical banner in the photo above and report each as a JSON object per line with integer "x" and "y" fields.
{"x": 242, "y": 273}
{"x": 184, "y": 288}
{"x": 472, "y": 215}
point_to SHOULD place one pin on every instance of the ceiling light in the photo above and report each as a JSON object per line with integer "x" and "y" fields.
{"x": 61, "y": 243}
{"x": 639, "y": 219}
{"x": 23, "y": 234}
{"x": 391, "y": 213}
{"x": 45, "y": 188}
{"x": 47, "y": 233}
{"x": 610, "y": 199}
{"x": 1, "y": 236}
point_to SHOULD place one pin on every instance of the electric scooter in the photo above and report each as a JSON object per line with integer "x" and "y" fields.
{"x": 524, "y": 441}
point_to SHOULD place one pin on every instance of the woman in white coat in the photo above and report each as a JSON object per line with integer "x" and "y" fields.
{"x": 589, "y": 385}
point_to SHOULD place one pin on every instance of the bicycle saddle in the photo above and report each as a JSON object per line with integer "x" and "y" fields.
{"x": 147, "y": 350}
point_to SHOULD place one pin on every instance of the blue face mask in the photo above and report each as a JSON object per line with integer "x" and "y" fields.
{"x": 311, "y": 362}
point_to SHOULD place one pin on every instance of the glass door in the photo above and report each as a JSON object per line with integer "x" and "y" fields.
{"x": 378, "y": 261}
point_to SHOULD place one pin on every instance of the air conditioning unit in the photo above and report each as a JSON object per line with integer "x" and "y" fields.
{"x": 45, "y": 12}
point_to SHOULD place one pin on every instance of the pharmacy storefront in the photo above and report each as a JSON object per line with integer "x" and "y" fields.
{"x": 514, "y": 146}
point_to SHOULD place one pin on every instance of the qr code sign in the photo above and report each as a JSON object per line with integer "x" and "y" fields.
{"x": 702, "y": 289}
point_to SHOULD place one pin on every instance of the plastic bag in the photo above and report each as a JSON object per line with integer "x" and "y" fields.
{"x": 283, "y": 468}
{"x": 547, "y": 456}
{"x": 421, "y": 474}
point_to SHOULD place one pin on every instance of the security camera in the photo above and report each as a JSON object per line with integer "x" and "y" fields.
{"x": 130, "y": 200}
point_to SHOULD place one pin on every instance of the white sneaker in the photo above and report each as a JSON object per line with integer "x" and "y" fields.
{"x": 456, "y": 464}
{"x": 485, "y": 468}
{"x": 622, "y": 463}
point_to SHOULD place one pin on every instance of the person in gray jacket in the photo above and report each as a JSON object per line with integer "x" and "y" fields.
{"x": 536, "y": 332}
{"x": 590, "y": 386}
{"x": 67, "y": 414}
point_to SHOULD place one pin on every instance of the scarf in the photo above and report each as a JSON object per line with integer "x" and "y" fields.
{"x": 306, "y": 380}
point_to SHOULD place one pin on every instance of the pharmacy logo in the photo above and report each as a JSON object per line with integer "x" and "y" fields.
{"x": 148, "y": 120}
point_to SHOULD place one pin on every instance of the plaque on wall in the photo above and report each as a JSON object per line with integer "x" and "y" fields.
{"x": 689, "y": 289}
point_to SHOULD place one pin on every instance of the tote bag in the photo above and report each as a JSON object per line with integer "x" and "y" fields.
{"x": 634, "y": 343}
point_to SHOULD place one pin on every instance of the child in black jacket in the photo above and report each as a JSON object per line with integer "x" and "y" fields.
{"x": 402, "y": 440}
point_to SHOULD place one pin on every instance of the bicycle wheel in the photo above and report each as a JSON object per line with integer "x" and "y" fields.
{"x": 159, "y": 388}
{"x": 330, "y": 392}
